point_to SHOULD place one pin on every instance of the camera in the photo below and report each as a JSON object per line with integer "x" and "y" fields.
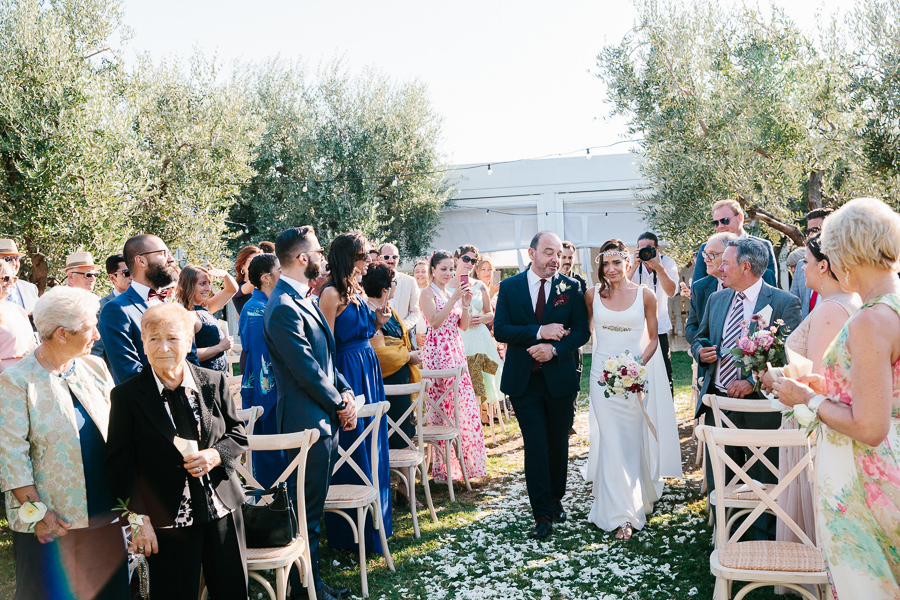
{"x": 647, "y": 253}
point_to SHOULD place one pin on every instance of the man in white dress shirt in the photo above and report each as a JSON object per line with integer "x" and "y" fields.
{"x": 406, "y": 294}
{"x": 24, "y": 293}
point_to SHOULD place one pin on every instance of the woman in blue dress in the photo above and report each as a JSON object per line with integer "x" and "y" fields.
{"x": 258, "y": 385}
{"x": 353, "y": 323}
{"x": 194, "y": 292}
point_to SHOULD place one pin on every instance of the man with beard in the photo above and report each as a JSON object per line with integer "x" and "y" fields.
{"x": 542, "y": 317}
{"x": 312, "y": 394}
{"x": 152, "y": 267}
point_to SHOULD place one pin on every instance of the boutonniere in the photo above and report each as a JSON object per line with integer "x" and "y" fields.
{"x": 561, "y": 300}
{"x": 562, "y": 286}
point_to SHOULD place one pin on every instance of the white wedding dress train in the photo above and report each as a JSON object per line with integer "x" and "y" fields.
{"x": 626, "y": 460}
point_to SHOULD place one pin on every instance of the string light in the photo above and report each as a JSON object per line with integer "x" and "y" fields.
{"x": 394, "y": 181}
{"x": 589, "y": 154}
{"x": 305, "y": 188}
{"x": 490, "y": 170}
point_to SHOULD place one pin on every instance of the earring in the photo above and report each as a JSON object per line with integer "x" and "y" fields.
{"x": 847, "y": 278}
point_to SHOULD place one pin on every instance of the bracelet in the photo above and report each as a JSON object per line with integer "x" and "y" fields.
{"x": 815, "y": 402}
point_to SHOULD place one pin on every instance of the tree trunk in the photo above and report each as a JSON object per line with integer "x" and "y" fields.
{"x": 814, "y": 200}
{"x": 38, "y": 266}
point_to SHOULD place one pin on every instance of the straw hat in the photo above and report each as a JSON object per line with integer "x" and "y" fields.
{"x": 8, "y": 248}
{"x": 80, "y": 260}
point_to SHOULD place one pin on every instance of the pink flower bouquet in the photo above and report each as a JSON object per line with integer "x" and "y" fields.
{"x": 623, "y": 375}
{"x": 761, "y": 345}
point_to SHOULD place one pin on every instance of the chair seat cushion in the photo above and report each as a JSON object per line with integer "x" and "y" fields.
{"x": 400, "y": 457}
{"x": 356, "y": 495}
{"x": 281, "y": 552}
{"x": 732, "y": 494}
{"x": 772, "y": 556}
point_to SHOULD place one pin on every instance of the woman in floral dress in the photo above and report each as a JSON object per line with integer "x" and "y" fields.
{"x": 446, "y": 316}
{"x": 858, "y": 477}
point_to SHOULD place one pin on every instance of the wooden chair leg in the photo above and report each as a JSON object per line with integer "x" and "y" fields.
{"x": 490, "y": 409}
{"x": 360, "y": 525}
{"x": 281, "y": 583}
{"x": 462, "y": 462}
{"x": 500, "y": 416}
{"x": 379, "y": 520}
{"x": 411, "y": 494}
{"x": 427, "y": 487}
{"x": 449, "y": 469}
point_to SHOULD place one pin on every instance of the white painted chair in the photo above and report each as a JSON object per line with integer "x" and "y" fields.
{"x": 363, "y": 497}
{"x": 249, "y": 416}
{"x": 761, "y": 563}
{"x": 406, "y": 462}
{"x": 281, "y": 559}
{"x": 447, "y": 432}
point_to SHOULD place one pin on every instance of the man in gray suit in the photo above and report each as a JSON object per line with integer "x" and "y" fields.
{"x": 312, "y": 394}
{"x": 743, "y": 265}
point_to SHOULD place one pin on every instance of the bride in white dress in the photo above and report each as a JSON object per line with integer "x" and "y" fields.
{"x": 631, "y": 450}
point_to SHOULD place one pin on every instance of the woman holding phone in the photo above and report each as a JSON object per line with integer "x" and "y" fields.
{"x": 477, "y": 338}
{"x": 447, "y": 314}
{"x": 353, "y": 323}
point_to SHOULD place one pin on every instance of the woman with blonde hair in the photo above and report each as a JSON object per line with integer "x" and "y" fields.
{"x": 193, "y": 292}
{"x": 856, "y": 400}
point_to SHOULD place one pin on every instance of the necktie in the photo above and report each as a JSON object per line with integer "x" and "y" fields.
{"x": 728, "y": 370}
{"x": 186, "y": 427}
{"x": 813, "y": 299}
{"x": 541, "y": 302}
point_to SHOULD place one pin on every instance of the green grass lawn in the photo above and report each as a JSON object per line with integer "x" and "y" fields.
{"x": 479, "y": 548}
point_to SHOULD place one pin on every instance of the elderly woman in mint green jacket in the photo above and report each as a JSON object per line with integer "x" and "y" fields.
{"x": 54, "y": 413}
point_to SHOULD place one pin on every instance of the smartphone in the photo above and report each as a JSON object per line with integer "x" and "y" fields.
{"x": 704, "y": 342}
{"x": 464, "y": 279}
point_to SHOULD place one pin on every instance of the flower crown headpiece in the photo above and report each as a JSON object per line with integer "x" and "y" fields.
{"x": 621, "y": 253}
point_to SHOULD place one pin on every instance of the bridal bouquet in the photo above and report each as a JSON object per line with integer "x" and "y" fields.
{"x": 760, "y": 346}
{"x": 623, "y": 375}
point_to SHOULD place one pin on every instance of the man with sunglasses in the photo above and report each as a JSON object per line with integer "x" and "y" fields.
{"x": 727, "y": 215}
{"x": 23, "y": 293}
{"x": 808, "y": 298}
{"x": 81, "y": 272}
{"x": 405, "y": 301}
{"x": 120, "y": 277}
{"x": 152, "y": 267}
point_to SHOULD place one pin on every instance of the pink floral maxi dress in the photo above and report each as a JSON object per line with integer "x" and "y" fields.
{"x": 859, "y": 490}
{"x": 444, "y": 350}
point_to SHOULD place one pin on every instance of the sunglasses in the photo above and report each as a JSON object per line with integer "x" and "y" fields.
{"x": 8, "y": 279}
{"x": 468, "y": 260}
{"x": 123, "y": 272}
{"x": 88, "y": 275}
{"x": 723, "y": 221}
{"x": 166, "y": 250}
{"x": 365, "y": 257}
{"x": 711, "y": 255}
{"x": 11, "y": 258}
{"x": 390, "y": 256}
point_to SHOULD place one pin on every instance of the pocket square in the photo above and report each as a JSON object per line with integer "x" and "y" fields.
{"x": 561, "y": 300}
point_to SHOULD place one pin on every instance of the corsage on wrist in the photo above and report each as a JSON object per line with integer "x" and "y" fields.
{"x": 32, "y": 513}
{"x": 807, "y": 415}
{"x": 134, "y": 519}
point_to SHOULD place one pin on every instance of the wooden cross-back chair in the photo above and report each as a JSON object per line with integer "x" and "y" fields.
{"x": 406, "y": 462}
{"x": 280, "y": 559}
{"x": 737, "y": 502}
{"x": 363, "y": 497}
{"x": 761, "y": 563}
{"x": 447, "y": 432}
{"x": 249, "y": 416}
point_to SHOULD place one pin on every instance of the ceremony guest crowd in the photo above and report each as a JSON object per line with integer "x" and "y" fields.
{"x": 121, "y": 406}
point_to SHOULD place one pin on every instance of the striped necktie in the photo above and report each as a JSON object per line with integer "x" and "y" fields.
{"x": 728, "y": 369}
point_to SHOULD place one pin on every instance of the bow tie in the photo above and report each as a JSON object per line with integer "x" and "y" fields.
{"x": 154, "y": 294}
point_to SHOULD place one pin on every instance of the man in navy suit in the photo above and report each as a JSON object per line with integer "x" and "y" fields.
{"x": 701, "y": 290}
{"x": 542, "y": 318}
{"x": 152, "y": 267}
{"x": 312, "y": 394}
{"x": 727, "y": 215}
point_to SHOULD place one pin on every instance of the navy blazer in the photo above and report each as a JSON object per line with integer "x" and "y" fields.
{"x": 770, "y": 277}
{"x": 785, "y": 306}
{"x": 515, "y": 325}
{"x": 700, "y": 292}
{"x": 302, "y": 349}
{"x": 120, "y": 331}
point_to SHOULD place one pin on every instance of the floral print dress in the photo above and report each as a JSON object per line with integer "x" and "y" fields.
{"x": 859, "y": 490}
{"x": 444, "y": 350}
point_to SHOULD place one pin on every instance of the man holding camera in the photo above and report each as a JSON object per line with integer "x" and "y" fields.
{"x": 659, "y": 273}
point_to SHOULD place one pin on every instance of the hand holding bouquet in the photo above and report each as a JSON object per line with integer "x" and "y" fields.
{"x": 761, "y": 346}
{"x": 623, "y": 375}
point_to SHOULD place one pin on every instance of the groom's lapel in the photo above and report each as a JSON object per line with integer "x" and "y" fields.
{"x": 525, "y": 294}
{"x": 554, "y": 283}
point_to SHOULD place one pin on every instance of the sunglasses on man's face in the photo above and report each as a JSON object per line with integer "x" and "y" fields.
{"x": 390, "y": 256}
{"x": 468, "y": 260}
{"x": 123, "y": 273}
{"x": 8, "y": 279}
{"x": 88, "y": 275}
{"x": 11, "y": 259}
{"x": 723, "y": 221}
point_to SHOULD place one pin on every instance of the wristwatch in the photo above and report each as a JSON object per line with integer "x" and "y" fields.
{"x": 553, "y": 351}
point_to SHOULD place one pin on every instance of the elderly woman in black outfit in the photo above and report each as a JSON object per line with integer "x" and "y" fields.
{"x": 174, "y": 439}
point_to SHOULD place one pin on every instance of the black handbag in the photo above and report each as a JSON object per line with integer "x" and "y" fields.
{"x": 271, "y": 525}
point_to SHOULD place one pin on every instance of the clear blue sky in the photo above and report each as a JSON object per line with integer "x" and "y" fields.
{"x": 511, "y": 79}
